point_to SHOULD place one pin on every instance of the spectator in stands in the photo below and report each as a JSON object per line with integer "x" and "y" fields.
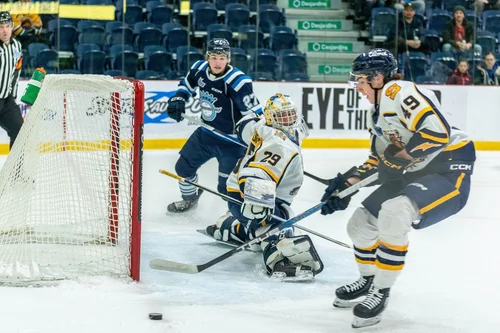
{"x": 458, "y": 34}
{"x": 482, "y": 5}
{"x": 410, "y": 32}
{"x": 461, "y": 76}
{"x": 488, "y": 73}
{"x": 27, "y": 28}
{"x": 417, "y": 4}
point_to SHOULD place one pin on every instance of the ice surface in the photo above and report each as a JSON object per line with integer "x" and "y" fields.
{"x": 449, "y": 284}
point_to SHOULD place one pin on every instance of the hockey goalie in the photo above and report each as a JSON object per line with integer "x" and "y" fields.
{"x": 266, "y": 180}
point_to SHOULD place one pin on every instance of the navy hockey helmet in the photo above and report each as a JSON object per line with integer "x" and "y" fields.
{"x": 219, "y": 46}
{"x": 5, "y": 18}
{"x": 373, "y": 62}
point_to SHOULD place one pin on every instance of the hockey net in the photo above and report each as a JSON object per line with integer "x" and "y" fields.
{"x": 70, "y": 187}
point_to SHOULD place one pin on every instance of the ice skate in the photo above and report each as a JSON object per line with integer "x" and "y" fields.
{"x": 347, "y": 295}
{"x": 184, "y": 204}
{"x": 369, "y": 312}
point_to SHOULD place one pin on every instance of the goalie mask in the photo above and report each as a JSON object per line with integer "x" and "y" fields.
{"x": 281, "y": 113}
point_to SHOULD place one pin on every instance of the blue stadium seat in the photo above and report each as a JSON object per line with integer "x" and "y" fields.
{"x": 115, "y": 72}
{"x": 97, "y": 2}
{"x": 69, "y": 2}
{"x": 437, "y": 19}
{"x": 156, "y": 58}
{"x": 48, "y": 59}
{"x": 415, "y": 65}
{"x": 82, "y": 48}
{"x": 221, "y": 4}
{"x": 119, "y": 3}
{"x": 148, "y": 75}
{"x": 261, "y": 76}
{"x": 204, "y": 14}
{"x": 116, "y": 49}
{"x": 491, "y": 21}
{"x": 70, "y": 71}
{"x": 148, "y": 36}
{"x": 263, "y": 60}
{"x": 56, "y": 23}
{"x": 126, "y": 61}
{"x": 383, "y": 20}
{"x": 270, "y": 16}
{"x": 64, "y": 39}
{"x": 92, "y": 62}
{"x": 175, "y": 35}
{"x": 253, "y": 4}
{"x": 282, "y": 38}
{"x": 474, "y": 61}
{"x": 158, "y": 13}
{"x": 442, "y": 64}
{"x": 220, "y": 31}
{"x": 93, "y": 35}
{"x": 497, "y": 57}
{"x": 33, "y": 50}
{"x": 186, "y": 57}
{"x": 82, "y": 24}
{"x": 239, "y": 59}
{"x": 248, "y": 38}
{"x": 296, "y": 77}
{"x": 471, "y": 16}
{"x": 487, "y": 40}
{"x": 121, "y": 35}
{"x": 132, "y": 15}
{"x": 237, "y": 14}
{"x": 291, "y": 61}
{"x": 175, "y": 75}
{"x": 451, "y": 4}
{"x": 138, "y": 26}
{"x": 113, "y": 25}
{"x": 428, "y": 80}
{"x": 433, "y": 40}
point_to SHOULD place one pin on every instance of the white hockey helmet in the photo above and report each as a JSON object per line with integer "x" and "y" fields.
{"x": 281, "y": 113}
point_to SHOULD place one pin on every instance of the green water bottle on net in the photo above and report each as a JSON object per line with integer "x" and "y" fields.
{"x": 33, "y": 87}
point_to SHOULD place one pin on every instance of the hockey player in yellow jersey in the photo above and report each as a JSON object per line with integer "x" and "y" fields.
{"x": 266, "y": 180}
{"x": 424, "y": 166}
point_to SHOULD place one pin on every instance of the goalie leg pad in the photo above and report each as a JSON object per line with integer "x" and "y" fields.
{"x": 298, "y": 250}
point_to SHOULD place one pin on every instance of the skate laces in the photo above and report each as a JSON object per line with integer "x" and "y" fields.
{"x": 373, "y": 298}
{"x": 359, "y": 284}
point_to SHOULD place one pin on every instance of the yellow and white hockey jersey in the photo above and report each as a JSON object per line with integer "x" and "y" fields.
{"x": 410, "y": 117}
{"x": 270, "y": 155}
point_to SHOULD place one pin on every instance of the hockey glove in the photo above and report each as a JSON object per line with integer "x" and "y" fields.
{"x": 332, "y": 202}
{"x": 390, "y": 167}
{"x": 176, "y": 107}
{"x": 260, "y": 198}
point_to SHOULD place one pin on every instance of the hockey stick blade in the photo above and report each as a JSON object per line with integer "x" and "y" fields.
{"x": 172, "y": 266}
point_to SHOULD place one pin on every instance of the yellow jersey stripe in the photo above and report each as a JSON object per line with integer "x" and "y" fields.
{"x": 419, "y": 116}
{"x": 432, "y": 110}
{"x": 266, "y": 169}
{"x": 446, "y": 197}
{"x": 456, "y": 145}
{"x": 365, "y": 262}
{"x": 434, "y": 138}
{"x": 388, "y": 267}
{"x": 371, "y": 248}
{"x": 401, "y": 248}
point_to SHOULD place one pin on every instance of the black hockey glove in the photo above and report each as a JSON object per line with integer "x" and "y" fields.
{"x": 176, "y": 106}
{"x": 391, "y": 168}
{"x": 332, "y": 202}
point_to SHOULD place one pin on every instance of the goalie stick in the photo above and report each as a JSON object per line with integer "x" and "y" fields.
{"x": 173, "y": 266}
{"x": 226, "y": 137}
{"x": 228, "y": 198}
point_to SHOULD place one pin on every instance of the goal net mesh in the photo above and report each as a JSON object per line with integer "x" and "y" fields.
{"x": 65, "y": 188}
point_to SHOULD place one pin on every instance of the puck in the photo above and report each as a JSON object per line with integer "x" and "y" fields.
{"x": 155, "y": 316}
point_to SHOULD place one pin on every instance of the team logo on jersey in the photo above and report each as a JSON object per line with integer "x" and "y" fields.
{"x": 395, "y": 138}
{"x": 426, "y": 145}
{"x": 208, "y": 109}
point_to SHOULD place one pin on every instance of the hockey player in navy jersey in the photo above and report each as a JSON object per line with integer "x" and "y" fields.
{"x": 424, "y": 166}
{"x": 226, "y": 95}
{"x": 267, "y": 179}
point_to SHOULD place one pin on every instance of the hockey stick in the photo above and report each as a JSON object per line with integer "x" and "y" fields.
{"x": 173, "y": 266}
{"x": 228, "y": 198}
{"x": 227, "y": 137}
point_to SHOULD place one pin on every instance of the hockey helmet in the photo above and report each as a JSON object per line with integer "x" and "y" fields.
{"x": 373, "y": 62}
{"x": 5, "y": 18}
{"x": 219, "y": 46}
{"x": 280, "y": 112}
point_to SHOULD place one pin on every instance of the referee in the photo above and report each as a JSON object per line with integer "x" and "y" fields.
{"x": 11, "y": 61}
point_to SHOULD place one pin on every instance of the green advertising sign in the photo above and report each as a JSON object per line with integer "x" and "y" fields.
{"x": 329, "y": 47}
{"x": 337, "y": 70}
{"x": 309, "y": 4}
{"x": 320, "y": 25}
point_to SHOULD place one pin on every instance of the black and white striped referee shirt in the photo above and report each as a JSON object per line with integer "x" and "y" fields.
{"x": 10, "y": 67}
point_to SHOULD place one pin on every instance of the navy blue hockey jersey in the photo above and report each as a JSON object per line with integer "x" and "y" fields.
{"x": 224, "y": 100}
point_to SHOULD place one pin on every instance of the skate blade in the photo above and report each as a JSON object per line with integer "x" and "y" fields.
{"x": 342, "y": 303}
{"x": 365, "y": 322}
{"x": 302, "y": 277}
